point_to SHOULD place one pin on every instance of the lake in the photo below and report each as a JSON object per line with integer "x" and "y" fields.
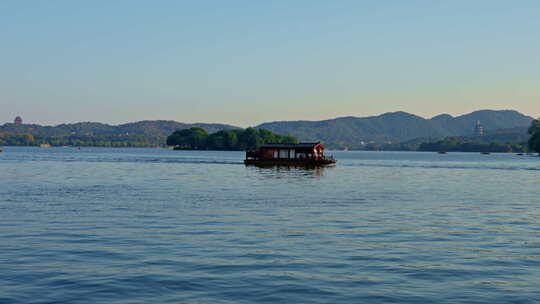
{"x": 104, "y": 225}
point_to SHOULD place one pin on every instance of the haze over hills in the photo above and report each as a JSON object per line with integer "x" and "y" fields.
{"x": 159, "y": 128}
{"x": 136, "y": 134}
{"x": 398, "y": 127}
{"x": 351, "y": 132}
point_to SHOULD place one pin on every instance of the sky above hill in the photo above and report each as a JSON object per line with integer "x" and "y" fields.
{"x": 247, "y": 62}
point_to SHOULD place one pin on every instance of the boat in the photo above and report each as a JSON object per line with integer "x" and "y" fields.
{"x": 442, "y": 152}
{"x": 486, "y": 153}
{"x": 302, "y": 154}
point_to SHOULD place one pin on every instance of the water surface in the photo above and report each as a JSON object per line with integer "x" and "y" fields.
{"x": 101, "y": 225}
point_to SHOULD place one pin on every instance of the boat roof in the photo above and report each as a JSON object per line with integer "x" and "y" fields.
{"x": 292, "y": 146}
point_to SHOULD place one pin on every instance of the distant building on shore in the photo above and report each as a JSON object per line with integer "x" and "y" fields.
{"x": 18, "y": 120}
{"x": 478, "y": 129}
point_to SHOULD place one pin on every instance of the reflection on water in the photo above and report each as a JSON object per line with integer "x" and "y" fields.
{"x": 289, "y": 171}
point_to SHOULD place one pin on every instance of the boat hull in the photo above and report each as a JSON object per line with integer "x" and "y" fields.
{"x": 291, "y": 163}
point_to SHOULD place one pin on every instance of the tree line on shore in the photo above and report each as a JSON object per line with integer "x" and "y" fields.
{"x": 456, "y": 144}
{"x": 534, "y": 131}
{"x": 237, "y": 139}
{"x": 449, "y": 144}
{"x": 26, "y": 139}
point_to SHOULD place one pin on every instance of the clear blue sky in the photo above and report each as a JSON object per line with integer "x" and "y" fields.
{"x": 247, "y": 62}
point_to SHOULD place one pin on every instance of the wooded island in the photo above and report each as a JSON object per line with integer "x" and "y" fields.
{"x": 236, "y": 140}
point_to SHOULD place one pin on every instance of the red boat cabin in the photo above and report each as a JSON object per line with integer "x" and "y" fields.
{"x": 311, "y": 153}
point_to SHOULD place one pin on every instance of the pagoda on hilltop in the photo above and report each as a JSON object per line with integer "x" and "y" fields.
{"x": 478, "y": 129}
{"x": 18, "y": 121}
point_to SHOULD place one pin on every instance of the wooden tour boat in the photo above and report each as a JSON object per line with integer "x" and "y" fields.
{"x": 302, "y": 154}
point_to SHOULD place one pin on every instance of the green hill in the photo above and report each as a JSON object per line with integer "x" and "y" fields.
{"x": 351, "y": 132}
{"x": 137, "y": 134}
{"x": 147, "y": 127}
{"x": 356, "y": 132}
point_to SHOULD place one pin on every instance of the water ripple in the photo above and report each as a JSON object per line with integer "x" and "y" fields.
{"x": 159, "y": 226}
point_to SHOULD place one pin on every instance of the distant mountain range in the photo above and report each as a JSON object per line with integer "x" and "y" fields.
{"x": 154, "y": 128}
{"x": 400, "y": 127}
{"x": 351, "y": 132}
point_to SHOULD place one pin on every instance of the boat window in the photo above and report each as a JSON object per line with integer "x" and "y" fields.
{"x": 292, "y": 153}
{"x": 283, "y": 153}
{"x": 276, "y": 154}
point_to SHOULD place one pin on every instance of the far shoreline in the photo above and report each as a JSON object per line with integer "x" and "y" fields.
{"x": 218, "y": 150}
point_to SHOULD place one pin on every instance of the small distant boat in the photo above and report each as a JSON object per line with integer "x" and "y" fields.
{"x": 44, "y": 145}
{"x": 520, "y": 154}
{"x": 1, "y": 150}
{"x": 485, "y": 153}
{"x": 442, "y": 152}
{"x": 302, "y": 154}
